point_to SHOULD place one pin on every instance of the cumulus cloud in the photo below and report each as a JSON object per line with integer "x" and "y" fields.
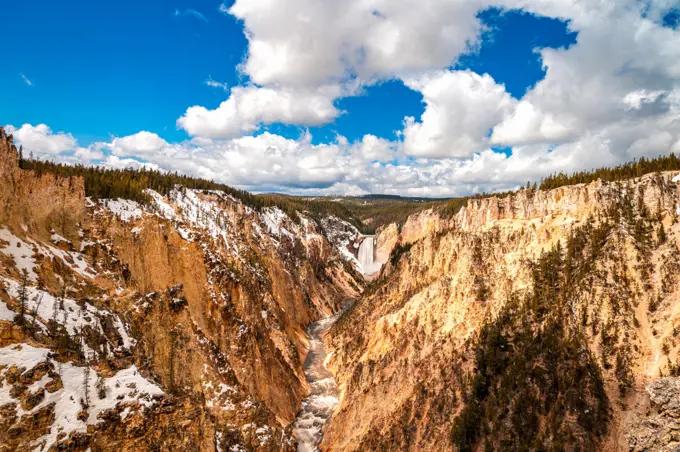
{"x": 623, "y": 69}
{"x": 41, "y": 140}
{"x": 309, "y": 42}
{"x": 612, "y": 96}
{"x": 311, "y": 53}
{"x": 247, "y": 108}
{"x": 143, "y": 144}
{"x": 624, "y": 66}
{"x": 461, "y": 108}
{"x": 269, "y": 162}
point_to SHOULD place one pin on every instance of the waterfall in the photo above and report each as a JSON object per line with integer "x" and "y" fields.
{"x": 367, "y": 256}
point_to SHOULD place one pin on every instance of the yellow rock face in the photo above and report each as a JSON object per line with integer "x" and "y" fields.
{"x": 402, "y": 355}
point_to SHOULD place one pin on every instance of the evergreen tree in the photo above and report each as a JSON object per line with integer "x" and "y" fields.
{"x": 23, "y": 298}
{"x": 38, "y": 301}
{"x": 86, "y": 385}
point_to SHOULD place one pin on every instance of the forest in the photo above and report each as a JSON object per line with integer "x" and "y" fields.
{"x": 129, "y": 183}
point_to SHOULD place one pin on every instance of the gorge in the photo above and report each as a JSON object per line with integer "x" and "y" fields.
{"x": 199, "y": 317}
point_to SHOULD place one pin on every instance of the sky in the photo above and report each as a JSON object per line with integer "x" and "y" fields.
{"x": 410, "y": 97}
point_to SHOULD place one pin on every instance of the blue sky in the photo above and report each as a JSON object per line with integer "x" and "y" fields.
{"x": 100, "y": 68}
{"x": 432, "y": 98}
{"x": 115, "y": 67}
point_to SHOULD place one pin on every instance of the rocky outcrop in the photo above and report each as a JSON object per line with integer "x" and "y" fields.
{"x": 660, "y": 430}
{"x": 39, "y": 202}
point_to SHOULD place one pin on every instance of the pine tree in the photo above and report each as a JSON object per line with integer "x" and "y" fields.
{"x": 23, "y": 298}
{"x": 662, "y": 237}
{"x": 101, "y": 387}
{"x": 38, "y": 301}
{"x": 86, "y": 385}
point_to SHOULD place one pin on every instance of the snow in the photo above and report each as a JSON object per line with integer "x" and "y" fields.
{"x": 85, "y": 243}
{"x": 198, "y": 213}
{"x": 73, "y": 260}
{"x": 128, "y": 342}
{"x": 124, "y": 209}
{"x": 5, "y": 312}
{"x": 274, "y": 218}
{"x": 219, "y": 398}
{"x": 263, "y": 434}
{"x": 164, "y": 209}
{"x": 72, "y": 317}
{"x": 23, "y": 356}
{"x": 676, "y": 178}
{"x": 56, "y": 238}
{"x": 127, "y": 388}
{"x": 20, "y": 251}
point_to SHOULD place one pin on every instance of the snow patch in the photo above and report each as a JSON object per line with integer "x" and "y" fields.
{"x": 274, "y": 219}
{"x": 127, "y": 387}
{"x": 72, "y": 316}
{"x": 20, "y": 251}
{"x": 125, "y": 209}
{"x": 56, "y": 238}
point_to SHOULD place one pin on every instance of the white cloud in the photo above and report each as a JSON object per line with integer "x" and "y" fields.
{"x": 26, "y": 80}
{"x": 612, "y": 96}
{"x": 461, "y": 108}
{"x": 623, "y": 69}
{"x": 306, "y": 42}
{"x": 247, "y": 108}
{"x": 269, "y": 162}
{"x": 141, "y": 144}
{"x": 215, "y": 84}
{"x": 41, "y": 140}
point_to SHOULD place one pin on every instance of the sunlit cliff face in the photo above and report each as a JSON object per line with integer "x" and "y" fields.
{"x": 194, "y": 321}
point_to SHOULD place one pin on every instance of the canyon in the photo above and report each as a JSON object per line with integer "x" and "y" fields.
{"x": 540, "y": 320}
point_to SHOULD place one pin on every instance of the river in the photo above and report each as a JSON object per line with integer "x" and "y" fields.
{"x": 318, "y": 407}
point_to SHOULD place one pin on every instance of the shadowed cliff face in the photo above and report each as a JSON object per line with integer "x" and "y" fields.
{"x": 534, "y": 320}
{"x": 193, "y": 309}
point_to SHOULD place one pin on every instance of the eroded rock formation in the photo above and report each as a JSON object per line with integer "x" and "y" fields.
{"x": 201, "y": 299}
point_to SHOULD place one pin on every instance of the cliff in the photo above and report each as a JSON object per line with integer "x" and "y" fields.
{"x": 39, "y": 202}
{"x": 559, "y": 303}
{"x": 178, "y": 324}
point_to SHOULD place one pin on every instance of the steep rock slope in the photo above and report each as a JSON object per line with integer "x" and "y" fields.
{"x": 175, "y": 325}
{"x": 530, "y": 322}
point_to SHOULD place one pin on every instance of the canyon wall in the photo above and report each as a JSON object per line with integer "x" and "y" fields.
{"x": 481, "y": 324}
{"x": 178, "y": 324}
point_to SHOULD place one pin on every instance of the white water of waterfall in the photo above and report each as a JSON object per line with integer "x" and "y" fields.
{"x": 367, "y": 256}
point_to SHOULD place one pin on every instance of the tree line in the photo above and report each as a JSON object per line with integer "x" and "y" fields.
{"x": 130, "y": 183}
{"x": 630, "y": 170}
